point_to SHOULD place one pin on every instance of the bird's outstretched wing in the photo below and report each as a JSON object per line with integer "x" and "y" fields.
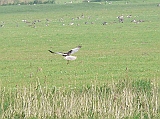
{"x": 60, "y": 53}
{"x": 74, "y": 50}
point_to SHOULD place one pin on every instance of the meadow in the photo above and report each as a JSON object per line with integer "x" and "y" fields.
{"x": 116, "y": 73}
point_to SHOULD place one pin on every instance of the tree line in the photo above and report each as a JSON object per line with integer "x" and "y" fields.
{"x": 23, "y": 2}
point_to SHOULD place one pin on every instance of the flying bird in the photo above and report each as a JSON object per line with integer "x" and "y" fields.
{"x": 68, "y": 55}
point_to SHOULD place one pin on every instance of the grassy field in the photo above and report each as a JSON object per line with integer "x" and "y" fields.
{"x": 110, "y": 53}
{"x": 107, "y": 50}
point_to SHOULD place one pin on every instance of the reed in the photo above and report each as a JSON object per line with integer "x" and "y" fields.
{"x": 112, "y": 100}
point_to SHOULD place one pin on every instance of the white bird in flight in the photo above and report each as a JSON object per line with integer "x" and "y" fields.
{"x": 67, "y": 56}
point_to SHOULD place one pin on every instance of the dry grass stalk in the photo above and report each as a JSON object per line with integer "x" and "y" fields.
{"x": 92, "y": 101}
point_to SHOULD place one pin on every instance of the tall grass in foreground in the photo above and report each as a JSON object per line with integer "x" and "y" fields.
{"x": 125, "y": 99}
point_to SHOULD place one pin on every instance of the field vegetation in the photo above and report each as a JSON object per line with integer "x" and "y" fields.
{"x": 116, "y": 73}
{"x": 137, "y": 99}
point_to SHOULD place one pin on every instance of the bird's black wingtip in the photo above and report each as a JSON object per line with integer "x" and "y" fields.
{"x": 50, "y": 51}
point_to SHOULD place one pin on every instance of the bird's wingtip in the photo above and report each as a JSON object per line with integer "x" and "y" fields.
{"x": 50, "y": 51}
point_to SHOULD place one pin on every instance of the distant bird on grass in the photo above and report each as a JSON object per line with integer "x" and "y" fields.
{"x": 67, "y": 56}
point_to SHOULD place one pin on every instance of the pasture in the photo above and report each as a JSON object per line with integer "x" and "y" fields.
{"x": 110, "y": 53}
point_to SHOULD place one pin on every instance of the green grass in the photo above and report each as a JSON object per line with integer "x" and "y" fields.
{"x": 107, "y": 50}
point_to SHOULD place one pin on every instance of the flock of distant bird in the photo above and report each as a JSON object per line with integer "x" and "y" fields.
{"x": 33, "y": 23}
{"x": 74, "y": 21}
